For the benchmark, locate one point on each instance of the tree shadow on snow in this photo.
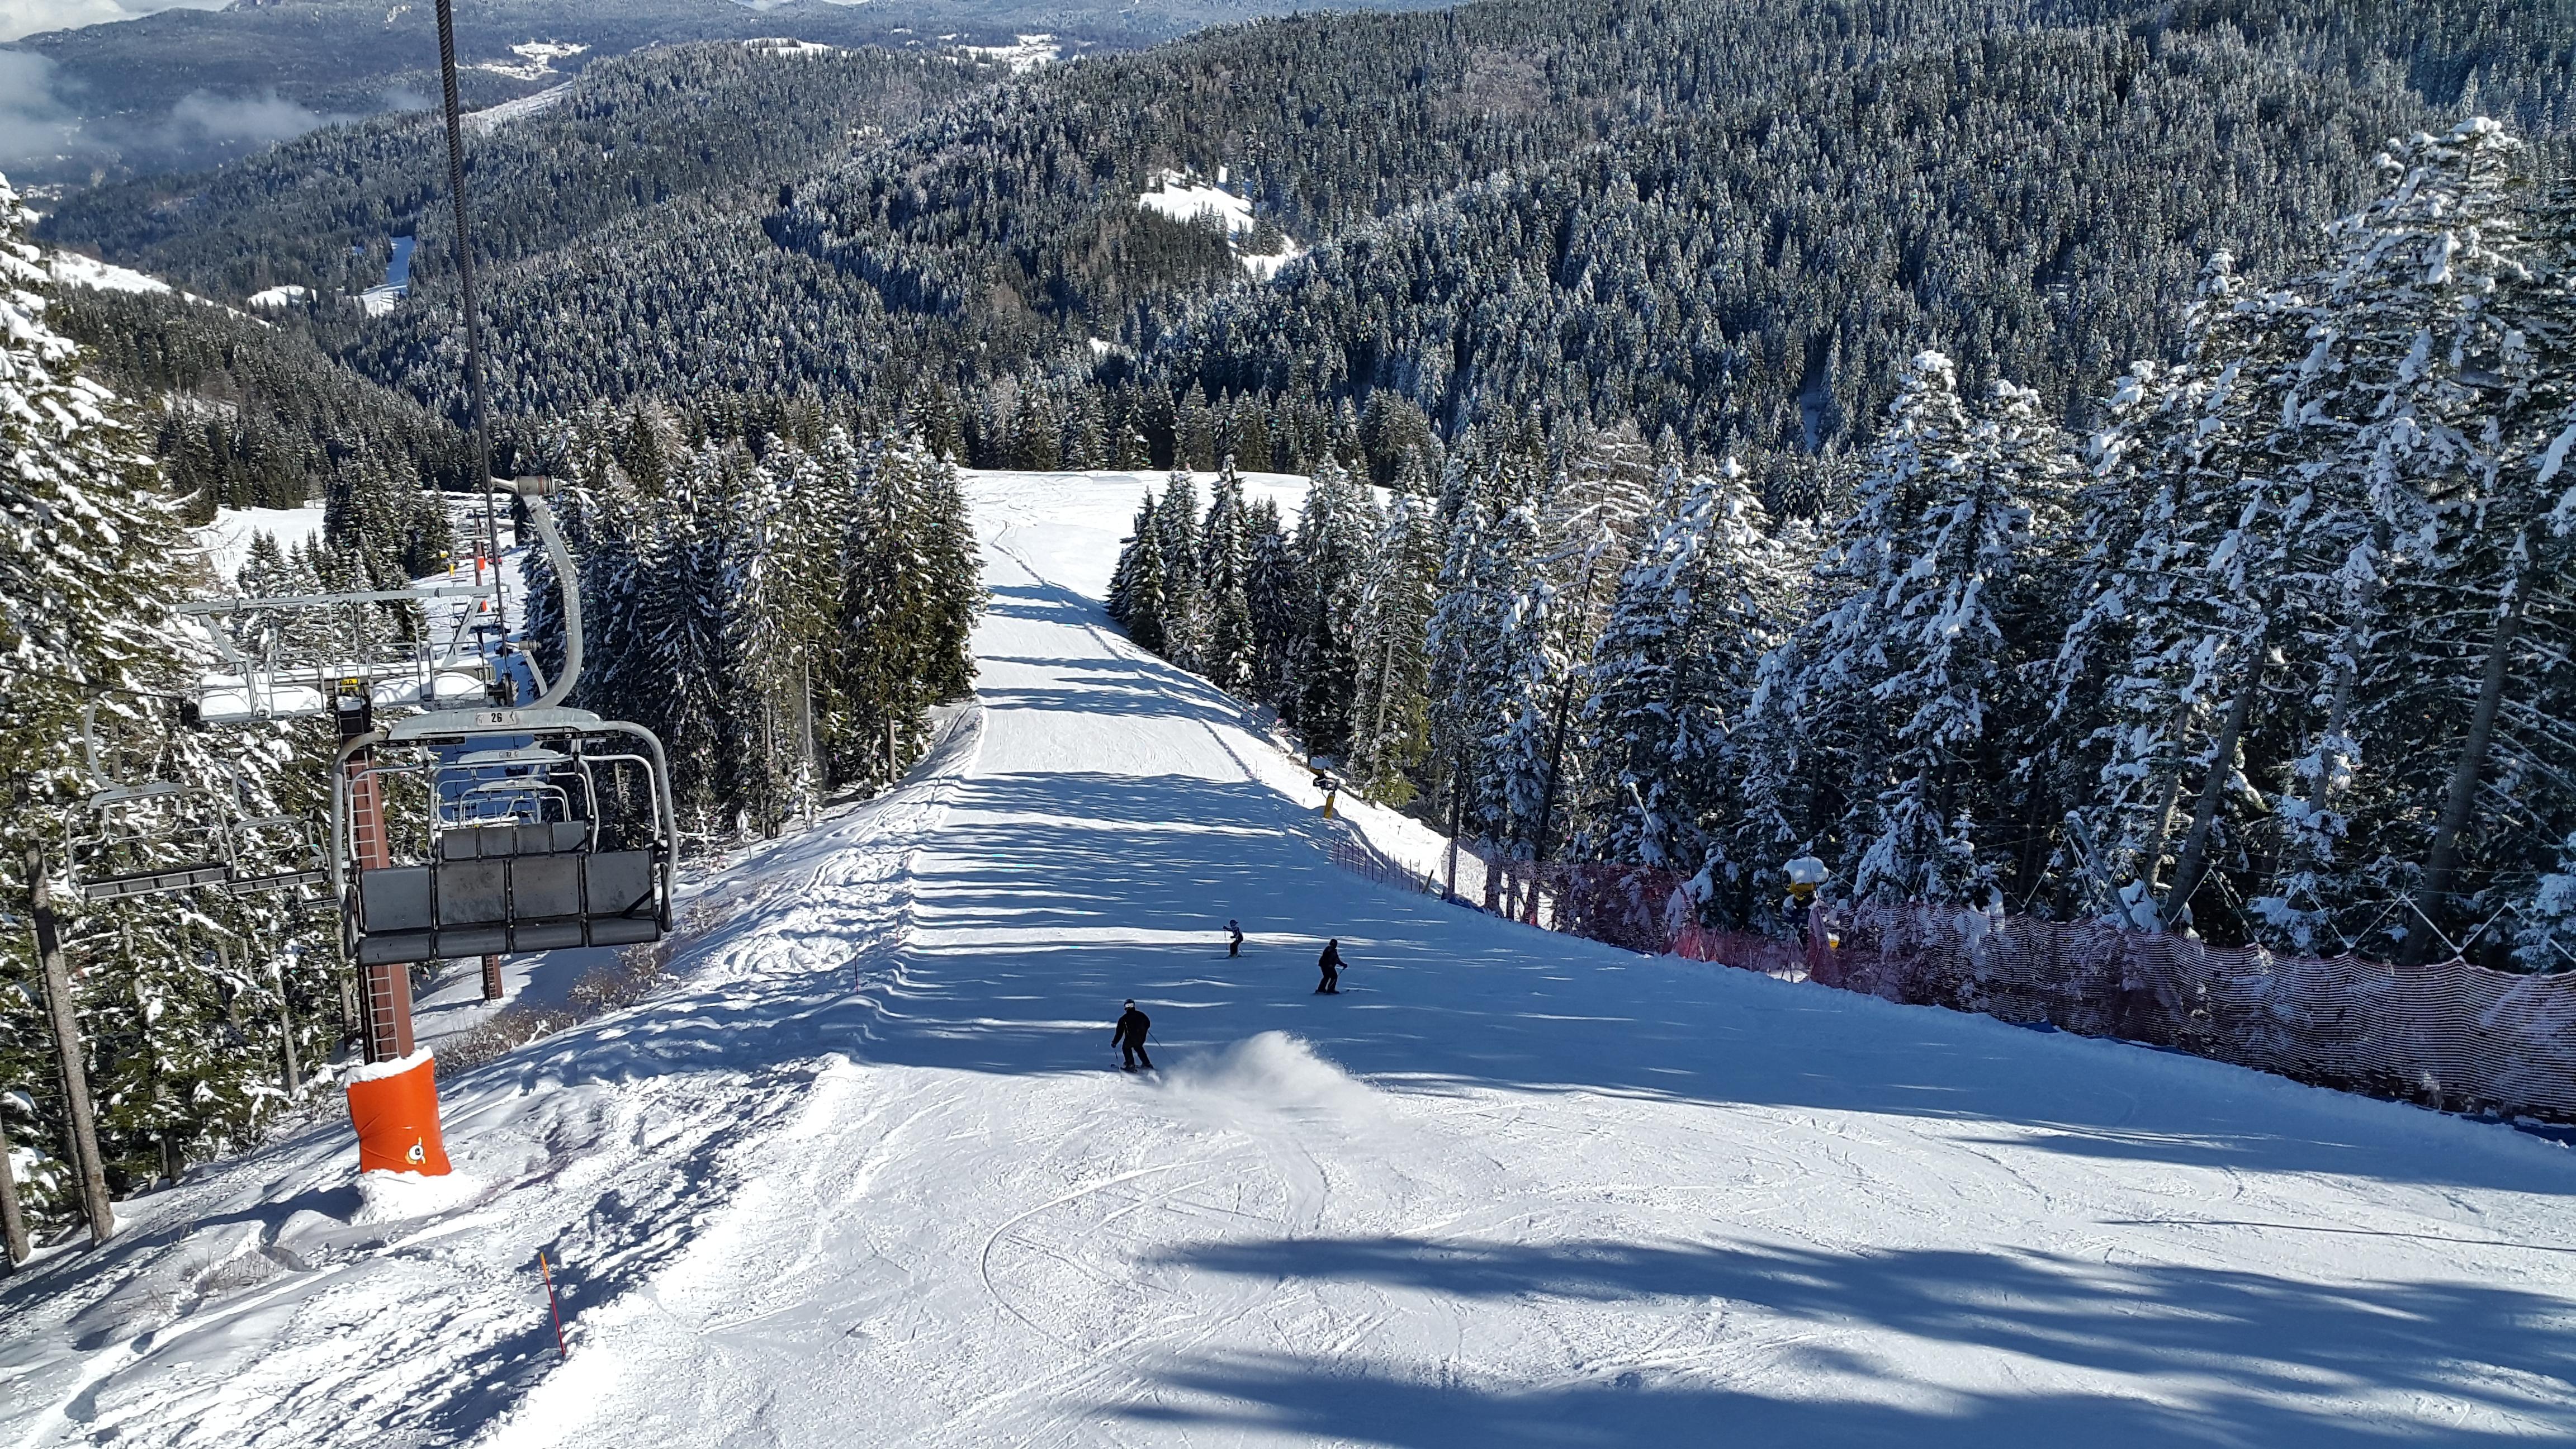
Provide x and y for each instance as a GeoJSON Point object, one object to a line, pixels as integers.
{"type": "Point", "coordinates": [1436, 993]}
{"type": "Point", "coordinates": [2245, 1358]}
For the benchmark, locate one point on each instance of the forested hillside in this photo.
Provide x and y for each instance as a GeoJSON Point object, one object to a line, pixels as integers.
{"type": "Point", "coordinates": [193, 87]}
{"type": "Point", "coordinates": [252, 416]}
{"type": "Point", "coordinates": [2276, 654]}
{"type": "Point", "coordinates": [2041, 196]}
{"type": "Point", "coordinates": [320, 211]}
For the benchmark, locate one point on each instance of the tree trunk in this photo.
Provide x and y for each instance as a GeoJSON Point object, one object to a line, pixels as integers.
{"type": "Point", "coordinates": [2461, 798]}
{"type": "Point", "coordinates": [65, 1018]}
{"type": "Point", "coordinates": [286, 1031]}
{"type": "Point", "coordinates": [1555, 765]}
{"type": "Point", "coordinates": [13, 1223]}
{"type": "Point", "coordinates": [1556, 745]}
{"type": "Point", "coordinates": [1457, 821]}
{"type": "Point", "coordinates": [2152, 863]}
{"type": "Point", "coordinates": [2347, 672]}
{"type": "Point", "coordinates": [2194, 863]}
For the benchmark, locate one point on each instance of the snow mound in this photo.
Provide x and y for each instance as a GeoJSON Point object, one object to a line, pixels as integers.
{"type": "Point", "coordinates": [390, 1197]}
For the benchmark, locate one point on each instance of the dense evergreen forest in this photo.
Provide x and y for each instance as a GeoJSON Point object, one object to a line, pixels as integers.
{"type": "Point", "coordinates": [321, 211]}
{"type": "Point", "coordinates": [2276, 654]}
{"type": "Point", "coordinates": [2052, 457]}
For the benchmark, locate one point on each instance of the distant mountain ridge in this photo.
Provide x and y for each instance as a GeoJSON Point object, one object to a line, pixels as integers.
{"type": "Point", "coordinates": [185, 89]}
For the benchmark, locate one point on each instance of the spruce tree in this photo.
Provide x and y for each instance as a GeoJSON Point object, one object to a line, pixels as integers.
{"type": "Point", "coordinates": [1224, 562]}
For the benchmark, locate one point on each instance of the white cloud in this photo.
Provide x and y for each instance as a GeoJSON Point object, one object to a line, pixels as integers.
{"type": "Point", "coordinates": [268, 117]}
{"type": "Point", "coordinates": [35, 126]}
{"type": "Point", "coordinates": [27, 17]}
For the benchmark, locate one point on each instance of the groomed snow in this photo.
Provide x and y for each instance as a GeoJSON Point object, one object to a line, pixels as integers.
{"type": "Point", "coordinates": [867, 1173]}
{"type": "Point", "coordinates": [492, 118]}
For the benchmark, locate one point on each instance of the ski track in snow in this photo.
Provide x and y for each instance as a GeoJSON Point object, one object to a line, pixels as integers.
{"type": "Point", "coordinates": [867, 1173]}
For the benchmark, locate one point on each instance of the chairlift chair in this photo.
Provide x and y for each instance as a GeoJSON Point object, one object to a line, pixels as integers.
{"type": "Point", "coordinates": [146, 839]}
{"type": "Point", "coordinates": [505, 838]}
{"type": "Point", "coordinates": [270, 674]}
{"type": "Point", "coordinates": [289, 839]}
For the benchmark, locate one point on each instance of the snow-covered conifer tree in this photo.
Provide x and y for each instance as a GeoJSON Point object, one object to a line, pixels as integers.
{"type": "Point", "coordinates": [1706, 597]}
{"type": "Point", "coordinates": [1390, 701]}
{"type": "Point", "coordinates": [1184, 601]}
{"type": "Point", "coordinates": [1226, 656]}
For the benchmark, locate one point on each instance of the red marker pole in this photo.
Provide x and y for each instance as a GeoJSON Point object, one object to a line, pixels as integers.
{"type": "Point", "coordinates": [553, 1304]}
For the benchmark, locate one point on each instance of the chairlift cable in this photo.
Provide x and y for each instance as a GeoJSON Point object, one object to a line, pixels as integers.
{"type": "Point", "coordinates": [466, 299]}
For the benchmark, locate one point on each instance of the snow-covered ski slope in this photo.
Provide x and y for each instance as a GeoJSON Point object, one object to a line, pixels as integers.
{"type": "Point", "coordinates": [868, 1175]}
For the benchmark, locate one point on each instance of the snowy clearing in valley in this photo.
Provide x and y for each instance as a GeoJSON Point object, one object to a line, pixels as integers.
{"type": "Point", "coordinates": [227, 540]}
{"type": "Point", "coordinates": [868, 1174]}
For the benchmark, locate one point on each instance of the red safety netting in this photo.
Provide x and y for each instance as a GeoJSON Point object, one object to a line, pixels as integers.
{"type": "Point", "coordinates": [2450, 1034]}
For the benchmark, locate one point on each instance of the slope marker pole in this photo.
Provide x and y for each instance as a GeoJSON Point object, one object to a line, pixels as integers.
{"type": "Point", "coordinates": [553, 1304]}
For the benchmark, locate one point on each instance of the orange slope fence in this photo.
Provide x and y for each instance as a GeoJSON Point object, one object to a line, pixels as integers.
{"type": "Point", "coordinates": [2451, 1034]}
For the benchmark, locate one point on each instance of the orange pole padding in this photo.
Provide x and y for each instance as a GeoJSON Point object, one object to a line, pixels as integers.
{"type": "Point", "coordinates": [394, 1106]}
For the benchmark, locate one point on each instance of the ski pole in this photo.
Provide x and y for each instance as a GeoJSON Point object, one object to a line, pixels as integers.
{"type": "Point", "coordinates": [554, 1304]}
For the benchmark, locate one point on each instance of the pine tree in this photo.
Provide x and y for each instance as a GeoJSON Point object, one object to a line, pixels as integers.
{"type": "Point", "coordinates": [2194, 541]}
{"type": "Point", "coordinates": [1122, 579]}
{"type": "Point", "coordinates": [1272, 587]}
{"type": "Point", "coordinates": [1893, 676]}
{"type": "Point", "coordinates": [1224, 562]}
{"type": "Point", "coordinates": [89, 561]}
{"type": "Point", "coordinates": [1333, 537]}
{"type": "Point", "coordinates": [1145, 608]}
{"type": "Point", "coordinates": [1706, 597]}
{"type": "Point", "coordinates": [1390, 703]}
{"type": "Point", "coordinates": [1183, 606]}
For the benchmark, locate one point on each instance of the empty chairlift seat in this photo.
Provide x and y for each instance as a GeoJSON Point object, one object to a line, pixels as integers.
{"type": "Point", "coordinates": [496, 889]}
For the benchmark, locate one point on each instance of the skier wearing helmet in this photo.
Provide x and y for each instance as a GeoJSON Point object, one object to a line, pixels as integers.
{"type": "Point", "coordinates": [1129, 1037]}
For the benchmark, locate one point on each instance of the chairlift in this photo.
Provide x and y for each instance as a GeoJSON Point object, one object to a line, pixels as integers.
{"type": "Point", "coordinates": [146, 839]}
{"type": "Point", "coordinates": [466, 832]}
{"type": "Point", "coordinates": [291, 657]}
{"type": "Point", "coordinates": [289, 839]}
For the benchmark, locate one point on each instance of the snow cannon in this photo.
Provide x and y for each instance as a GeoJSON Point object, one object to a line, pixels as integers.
{"type": "Point", "coordinates": [394, 1106]}
{"type": "Point", "coordinates": [1806, 874]}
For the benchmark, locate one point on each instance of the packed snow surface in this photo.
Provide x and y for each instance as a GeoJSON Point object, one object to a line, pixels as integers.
{"type": "Point", "coordinates": [867, 1173]}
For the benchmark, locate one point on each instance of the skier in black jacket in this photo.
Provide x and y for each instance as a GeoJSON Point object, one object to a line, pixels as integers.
{"type": "Point", "coordinates": [1129, 1037]}
{"type": "Point", "coordinates": [1331, 962]}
